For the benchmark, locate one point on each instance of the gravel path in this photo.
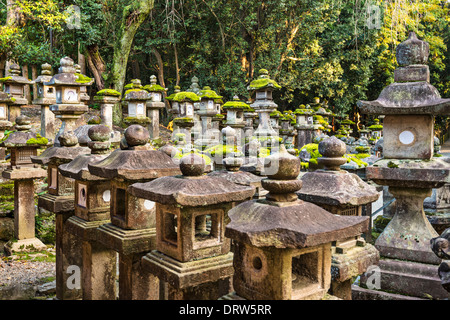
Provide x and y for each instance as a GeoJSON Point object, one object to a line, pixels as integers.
{"type": "Point", "coordinates": [16, 272]}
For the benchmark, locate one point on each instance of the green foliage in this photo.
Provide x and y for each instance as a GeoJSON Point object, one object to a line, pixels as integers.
{"type": "Point", "coordinates": [39, 140]}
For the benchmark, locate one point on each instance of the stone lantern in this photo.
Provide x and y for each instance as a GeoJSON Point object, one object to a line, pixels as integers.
{"type": "Point", "coordinates": [59, 200]}
{"type": "Point", "coordinates": [84, 97]}
{"type": "Point", "coordinates": [304, 125]}
{"type": "Point", "coordinates": [14, 84]}
{"type": "Point", "coordinates": [235, 117]}
{"type": "Point", "coordinates": [185, 120]}
{"type": "Point", "coordinates": [92, 209]}
{"type": "Point", "coordinates": [154, 106]}
{"type": "Point", "coordinates": [208, 109]}
{"type": "Point", "coordinates": [249, 116]}
{"type": "Point", "coordinates": [377, 130]}
{"type": "Point", "coordinates": [131, 232]}
{"type": "Point", "coordinates": [282, 244]}
{"type": "Point", "coordinates": [408, 265]}
{"type": "Point", "coordinates": [174, 105]}
{"type": "Point", "coordinates": [364, 133]}
{"type": "Point", "coordinates": [136, 99]}
{"type": "Point", "coordinates": [46, 96]}
{"type": "Point", "coordinates": [264, 105]}
{"type": "Point", "coordinates": [23, 144]}
{"type": "Point", "coordinates": [275, 117]}
{"type": "Point", "coordinates": [68, 106]}
{"type": "Point", "coordinates": [344, 194]}
{"type": "Point", "coordinates": [5, 124]}
{"type": "Point", "coordinates": [107, 98]}
{"type": "Point", "coordinates": [192, 253]}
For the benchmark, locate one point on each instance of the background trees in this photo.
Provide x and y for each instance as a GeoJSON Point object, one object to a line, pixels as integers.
{"type": "Point", "coordinates": [321, 48]}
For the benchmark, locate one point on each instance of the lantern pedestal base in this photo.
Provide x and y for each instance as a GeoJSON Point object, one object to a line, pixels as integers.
{"type": "Point", "coordinates": [204, 279]}
{"type": "Point", "coordinates": [400, 280]}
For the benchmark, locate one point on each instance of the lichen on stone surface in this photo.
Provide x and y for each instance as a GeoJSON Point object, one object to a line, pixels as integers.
{"type": "Point", "coordinates": [376, 127]}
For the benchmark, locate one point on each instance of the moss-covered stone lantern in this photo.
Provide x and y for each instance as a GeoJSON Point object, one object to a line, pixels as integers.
{"type": "Point", "coordinates": [132, 232]}
{"type": "Point", "coordinates": [154, 106]}
{"type": "Point", "coordinates": [23, 144]}
{"type": "Point", "coordinates": [5, 124]}
{"type": "Point", "coordinates": [92, 209]}
{"type": "Point", "coordinates": [68, 106]}
{"type": "Point", "coordinates": [235, 117]}
{"type": "Point", "coordinates": [208, 109]}
{"type": "Point", "coordinates": [14, 84]}
{"type": "Point", "coordinates": [282, 244]}
{"type": "Point", "coordinates": [345, 194]}
{"type": "Point", "coordinates": [84, 97]}
{"type": "Point", "coordinates": [264, 105]}
{"type": "Point", "coordinates": [136, 101]}
{"type": "Point", "coordinates": [408, 266]}
{"type": "Point", "coordinates": [185, 120]}
{"type": "Point", "coordinates": [46, 96]}
{"type": "Point", "coordinates": [304, 125]}
{"type": "Point", "coordinates": [192, 253]}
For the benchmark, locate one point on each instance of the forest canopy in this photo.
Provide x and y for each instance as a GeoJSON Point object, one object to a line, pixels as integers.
{"type": "Point", "coordinates": [338, 50]}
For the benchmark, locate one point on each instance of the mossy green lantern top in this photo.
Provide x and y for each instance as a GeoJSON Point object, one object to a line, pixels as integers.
{"type": "Point", "coordinates": [156, 93]}
{"type": "Point", "coordinates": [14, 84]}
{"type": "Point", "coordinates": [264, 104]}
{"type": "Point", "coordinates": [186, 102]}
{"type": "Point", "coordinates": [208, 99]}
{"type": "Point", "coordinates": [137, 99]}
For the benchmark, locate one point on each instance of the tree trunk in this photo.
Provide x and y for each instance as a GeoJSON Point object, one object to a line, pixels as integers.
{"type": "Point", "coordinates": [26, 89]}
{"type": "Point", "coordinates": [160, 67]}
{"type": "Point", "coordinates": [96, 65]}
{"type": "Point", "coordinates": [132, 18]}
{"type": "Point", "coordinates": [81, 60]}
{"type": "Point", "coordinates": [177, 69]}
{"type": "Point", "coordinates": [34, 75]}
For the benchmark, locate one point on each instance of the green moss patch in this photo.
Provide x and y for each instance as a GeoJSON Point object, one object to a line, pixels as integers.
{"type": "Point", "coordinates": [183, 96]}
{"type": "Point", "coordinates": [154, 88]}
{"type": "Point", "coordinates": [108, 92]}
{"type": "Point", "coordinates": [81, 78]}
{"type": "Point", "coordinates": [38, 140]}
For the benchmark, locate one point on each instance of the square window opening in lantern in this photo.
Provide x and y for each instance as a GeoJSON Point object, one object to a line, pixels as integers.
{"type": "Point", "coordinates": [305, 274]}
{"type": "Point", "coordinates": [120, 203]}
{"type": "Point", "coordinates": [206, 227]}
{"type": "Point", "coordinates": [170, 223]}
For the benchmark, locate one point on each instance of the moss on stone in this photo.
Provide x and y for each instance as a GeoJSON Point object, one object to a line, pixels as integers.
{"type": "Point", "coordinates": [5, 79]}
{"type": "Point", "coordinates": [263, 83]}
{"type": "Point", "coordinates": [209, 94]}
{"type": "Point", "coordinates": [392, 165]}
{"type": "Point", "coordinates": [136, 120]}
{"type": "Point", "coordinates": [132, 90]}
{"type": "Point", "coordinates": [362, 149]}
{"type": "Point", "coordinates": [183, 96]}
{"type": "Point", "coordinates": [376, 127]}
{"type": "Point", "coordinates": [81, 78]}
{"type": "Point", "coordinates": [39, 140]}
{"type": "Point", "coordinates": [362, 155]}
{"type": "Point", "coordinates": [154, 88]}
{"type": "Point", "coordinates": [355, 159]}
{"type": "Point", "coordinates": [220, 150]}
{"type": "Point", "coordinates": [108, 92]}
{"type": "Point", "coordinates": [186, 119]}
{"type": "Point", "coordinates": [235, 105]}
